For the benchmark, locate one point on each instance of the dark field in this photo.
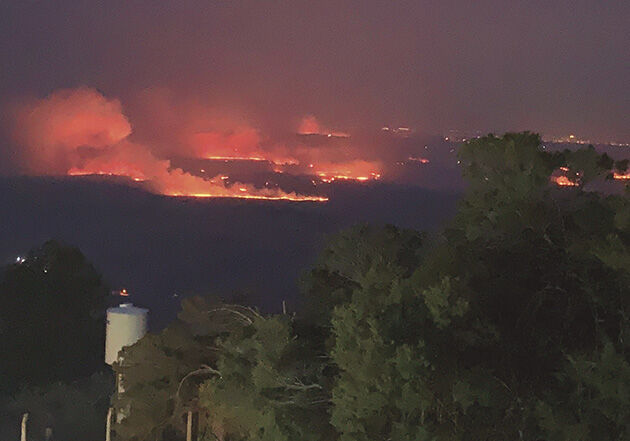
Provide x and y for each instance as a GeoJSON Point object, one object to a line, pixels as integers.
{"type": "Point", "coordinates": [162, 248]}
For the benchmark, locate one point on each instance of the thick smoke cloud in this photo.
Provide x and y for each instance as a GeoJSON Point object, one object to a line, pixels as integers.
{"type": "Point", "coordinates": [237, 143]}
{"type": "Point", "coordinates": [309, 126]}
{"type": "Point", "coordinates": [52, 132]}
{"type": "Point", "coordinates": [80, 132]}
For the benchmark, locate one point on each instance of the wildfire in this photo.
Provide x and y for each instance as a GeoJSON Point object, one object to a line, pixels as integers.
{"type": "Point", "coordinates": [242, 144]}
{"type": "Point", "coordinates": [563, 181]}
{"type": "Point", "coordinates": [275, 161]}
{"type": "Point", "coordinates": [236, 158]}
{"type": "Point", "coordinates": [358, 170]}
{"type": "Point", "coordinates": [417, 159]}
{"type": "Point", "coordinates": [80, 132]}
{"type": "Point", "coordinates": [158, 176]}
{"type": "Point", "coordinates": [309, 125]}
{"type": "Point", "coordinates": [293, 197]}
{"type": "Point", "coordinates": [79, 172]}
{"type": "Point", "coordinates": [326, 178]}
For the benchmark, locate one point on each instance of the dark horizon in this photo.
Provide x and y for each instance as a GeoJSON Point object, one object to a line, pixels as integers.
{"type": "Point", "coordinates": [156, 246]}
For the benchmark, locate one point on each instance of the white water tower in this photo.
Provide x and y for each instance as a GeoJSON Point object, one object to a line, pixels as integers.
{"type": "Point", "coordinates": [126, 324]}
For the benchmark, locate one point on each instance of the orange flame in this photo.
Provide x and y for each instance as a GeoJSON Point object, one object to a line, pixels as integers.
{"type": "Point", "coordinates": [91, 136]}
{"type": "Point", "coordinates": [237, 145]}
{"type": "Point", "coordinates": [293, 197]}
{"type": "Point", "coordinates": [81, 132]}
{"type": "Point", "coordinates": [358, 170]}
{"type": "Point", "coordinates": [417, 159]}
{"type": "Point", "coordinates": [563, 181]}
{"type": "Point", "coordinates": [177, 183]}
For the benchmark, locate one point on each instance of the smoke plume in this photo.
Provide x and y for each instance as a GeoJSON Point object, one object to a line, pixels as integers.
{"type": "Point", "coordinates": [81, 132]}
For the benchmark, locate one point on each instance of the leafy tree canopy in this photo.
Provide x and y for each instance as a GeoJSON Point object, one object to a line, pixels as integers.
{"type": "Point", "coordinates": [269, 385]}
{"type": "Point", "coordinates": [510, 324]}
{"type": "Point", "coordinates": [160, 373]}
{"type": "Point", "coordinates": [519, 307]}
{"type": "Point", "coordinates": [74, 411]}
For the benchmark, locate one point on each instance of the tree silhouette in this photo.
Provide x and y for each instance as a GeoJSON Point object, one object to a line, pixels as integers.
{"type": "Point", "coordinates": [51, 317]}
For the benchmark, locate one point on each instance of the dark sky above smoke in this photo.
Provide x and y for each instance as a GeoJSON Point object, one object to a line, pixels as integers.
{"type": "Point", "coordinates": [556, 67]}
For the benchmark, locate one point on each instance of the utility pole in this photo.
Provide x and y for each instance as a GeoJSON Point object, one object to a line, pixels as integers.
{"type": "Point", "coordinates": [108, 425]}
{"type": "Point", "coordinates": [189, 424]}
{"type": "Point", "coordinates": [24, 420]}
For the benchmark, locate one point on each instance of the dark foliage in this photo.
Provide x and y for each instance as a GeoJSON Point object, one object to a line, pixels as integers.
{"type": "Point", "coordinates": [511, 324]}
{"type": "Point", "coordinates": [74, 411]}
{"type": "Point", "coordinates": [51, 317]}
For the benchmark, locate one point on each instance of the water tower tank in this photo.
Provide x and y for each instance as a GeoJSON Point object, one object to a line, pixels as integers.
{"type": "Point", "coordinates": [126, 324]}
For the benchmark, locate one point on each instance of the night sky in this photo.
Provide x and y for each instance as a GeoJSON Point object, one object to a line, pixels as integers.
{"type": "Point", "coordinates": [556, 67]}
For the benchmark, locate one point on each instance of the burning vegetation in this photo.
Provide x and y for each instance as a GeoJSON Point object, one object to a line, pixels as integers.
{"type": "Point", "coordinates": [192, 152]}
{"type": "Point", "coordinates": [80, 132]}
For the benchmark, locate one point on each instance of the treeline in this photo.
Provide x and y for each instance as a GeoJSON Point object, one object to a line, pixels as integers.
{"type": "Point", "coordinates": [511, 323]}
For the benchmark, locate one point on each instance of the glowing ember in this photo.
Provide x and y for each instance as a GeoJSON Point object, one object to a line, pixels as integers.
{"type": "Point", "coordinates": [285, 197]}
{"type": "Point", "coordinates": [563, 181]}
{"type": "Point", "coordinates": [420, 160]}
{"type": "Point", "coordinates": [621, 177]}
{"type": "Point", "coordinates": [80, 172]}
{"type": "Point", "coordinates": [348, 171]}
{"type": "Point", "coordinates": [326, 178]}
{"type": "Point", "coordinates": [329, 179]}
{"type": "Point", "coordinates": [276, 161]}
{"type": "Point", "coordinates": [236, 158]}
